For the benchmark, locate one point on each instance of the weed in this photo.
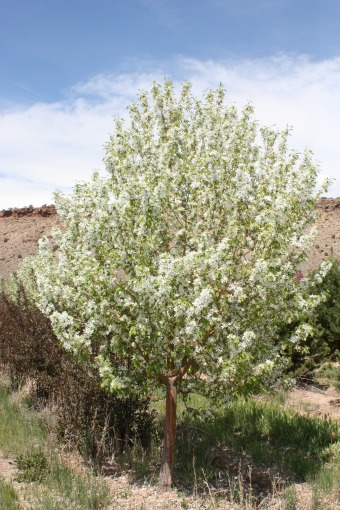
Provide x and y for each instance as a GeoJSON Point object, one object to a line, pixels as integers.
{"type": "Point", "coordinates": [33, 466]}
{"type": "Point", "coordinates": [289, 497]}
{"type": "Point", "coordinates": [184, 504]}
{"type": "Point", "coordinates": [316, 500]}
{"type": "Point", "coordinates": [83, 490]}
{"type": "Point", "coordinates": [327, 480]}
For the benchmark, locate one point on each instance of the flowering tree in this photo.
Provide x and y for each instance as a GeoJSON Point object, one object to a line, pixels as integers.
{"type": "Point", "coordinates": [181, 263]}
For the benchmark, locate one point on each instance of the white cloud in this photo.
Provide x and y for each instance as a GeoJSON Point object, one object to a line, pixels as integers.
{"type": "Point", "coordinates": [292, 91]}
{"type": "Point", "coordinates": [51, 145]}
{"type": "Point", "coordinates": [117, 88]}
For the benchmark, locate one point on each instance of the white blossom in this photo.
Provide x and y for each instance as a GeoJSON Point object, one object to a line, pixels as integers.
{"type": "Point", "coordinates": [185, 253]}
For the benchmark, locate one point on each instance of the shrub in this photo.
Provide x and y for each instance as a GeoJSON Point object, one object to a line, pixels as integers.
{"type": "Point", "coordinates": [327, 314]}
{"type": "Point", "coordinates": [87, 416]}
{"type": "Point", "coordinates": [324, 344]}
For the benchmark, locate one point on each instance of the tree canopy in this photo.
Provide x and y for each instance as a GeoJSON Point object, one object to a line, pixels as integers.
{"type": "Point", "coordinates": [182, 260]}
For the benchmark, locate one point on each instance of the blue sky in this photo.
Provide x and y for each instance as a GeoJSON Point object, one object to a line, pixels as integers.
{"type": "Point", "coordinates": [68, 67]}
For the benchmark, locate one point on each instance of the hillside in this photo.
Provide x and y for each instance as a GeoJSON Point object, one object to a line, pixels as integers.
{"type": "Point", "coordinates": [20, 230]}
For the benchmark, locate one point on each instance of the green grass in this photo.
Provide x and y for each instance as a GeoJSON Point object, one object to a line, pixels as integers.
{"type": "Point", "coordinates": [296, 444]}
{"type": "Point", "coordinates": [83, 490]}
{"type": "Point", "coordinates": [327, 480]}
{"type": "Point", "coordinates": [54, 486]}
{"type": "Point", "coordinates": [20, 428]}
{"type": "Point", "coordinates": [9, 499]}
{"type": "Point", "coordinates": [301, 448]}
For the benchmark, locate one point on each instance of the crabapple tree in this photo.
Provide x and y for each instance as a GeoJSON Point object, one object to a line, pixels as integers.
{"type": "Point", "coordinates": [180, 263]}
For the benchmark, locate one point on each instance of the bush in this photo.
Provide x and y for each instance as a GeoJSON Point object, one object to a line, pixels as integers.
{"type": "Point", "coordinates": [87, 416]}
{"type": "Point", "coordinates": [28, 347]}
{"type": "Point", "coordinates": [327, 314]}
{"type": "Point", "coordinates": [324, 344]}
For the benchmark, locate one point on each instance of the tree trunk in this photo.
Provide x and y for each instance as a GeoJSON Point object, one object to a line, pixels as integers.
{"type": "Point", "coordinates": [167, 467]}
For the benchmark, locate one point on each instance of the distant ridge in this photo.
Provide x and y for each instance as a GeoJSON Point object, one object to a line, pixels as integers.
{"type": "Point", "coordinates": [44, 210]}
{"type": "Point", "coordinates": [325, 203]}
{"type": "Point", "coordinates": [328, 203]}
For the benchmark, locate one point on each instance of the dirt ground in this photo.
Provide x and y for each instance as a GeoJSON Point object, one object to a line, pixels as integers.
{"type": "Point", "coordinates": [315, 402]}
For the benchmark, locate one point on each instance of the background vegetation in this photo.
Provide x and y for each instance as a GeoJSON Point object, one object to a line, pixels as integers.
{"type": "Point", "coordinates": [324, 344]}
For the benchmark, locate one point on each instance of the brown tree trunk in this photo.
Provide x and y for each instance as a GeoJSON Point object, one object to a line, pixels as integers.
{"type": "Point", "coordinates": [167, 467]}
